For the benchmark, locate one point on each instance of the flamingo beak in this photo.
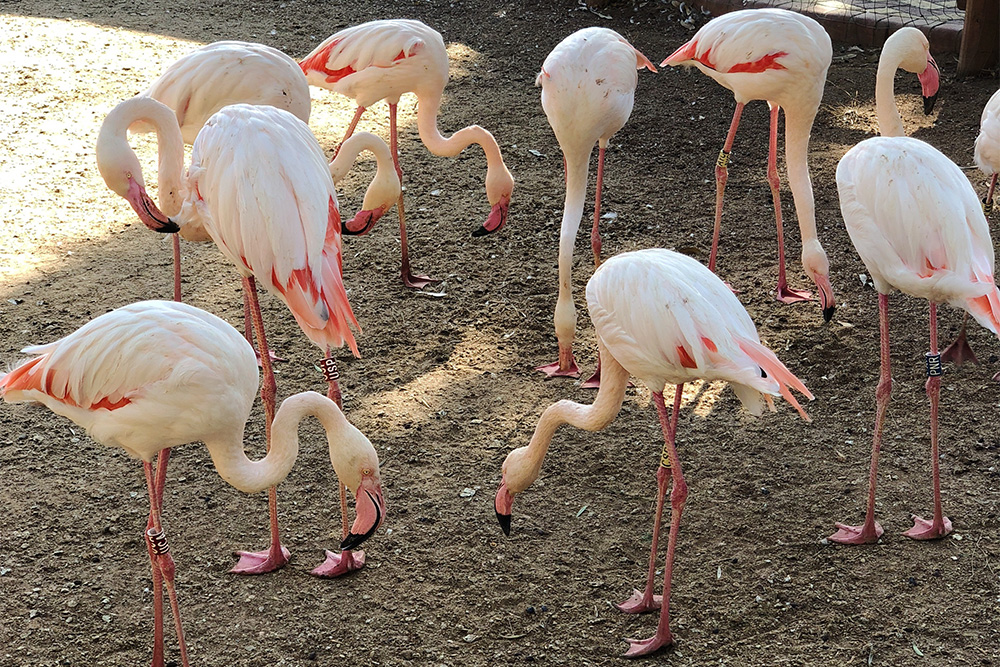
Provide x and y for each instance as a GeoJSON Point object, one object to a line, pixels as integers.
{"type": "Point", "coordinates": [147, 211]}
{"type": "Point", "coordinates": [826, 299]}
{"type": "Point", "coordinates": [929, 83]}
{"type": "Point", "coordinates": [502, 505]}
{"type": "Point", "coordinates": [497, 218]}
{"type": "Point", "coordinates": [363, 222]}
{"type": "Point", "coordinates": [369, 508]}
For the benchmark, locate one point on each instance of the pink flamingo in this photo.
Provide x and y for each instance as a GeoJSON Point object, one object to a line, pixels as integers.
{"type": "Point", "coordinates": [588, 88]}
{"type": "Point", "coordinates": [157, 374]}
{"type": "Point", "coordinates": [381, 60]}
{"type": "Point", "coordinates": [988, 145]}
{"type": "Point", "coordinates": [261, 187]}
{"type": "Point", "coordinates": [919, 227]}
{"type": "Point", "coordinates": [781, 57]}
{"type": "Point", "coordinates": [664, 318]}
{"type": "Point", "coordinates": [196, 86]}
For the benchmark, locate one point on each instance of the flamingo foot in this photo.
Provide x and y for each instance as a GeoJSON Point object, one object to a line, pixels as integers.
{"type": "Point", "coordinates": [260, 562]}
{"type": "Point", "coordinates": [639, 603]}
{"type": "Point", "coordinates": [554, 370]}
{"type": "Point", "coordinates": [864, 534]}
{"type": "Point", "coordinates": [959, 351]}
{"type": "Point", "coordinates": [786, 294]}
{"type": "Point", "coordinates": [927, 530]}
{"type": "Point", "coordinates": [417, 281]}
{"type": "Point", "coordinates": [337, 565]}
{"type": "Point", "coordinates": [639, 647]}
{"type": "Point", "coordinates": [270, 355]}
{"type": "Point", "coordinates": [595, 380]}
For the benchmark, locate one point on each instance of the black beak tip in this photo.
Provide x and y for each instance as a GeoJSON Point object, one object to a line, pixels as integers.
{"type": "Point", "coordinates": [169, 227]}
{"type": "Point", "coordinates": [929, 104]}
{"type": "Point", "coordinates": [352, 541]}
{"type": "Point", "coordinates": [481, 231]}
{"type": "Point", "coordinates": [828, 313]}
{"type": "Point", "coordinates": [504, 521]}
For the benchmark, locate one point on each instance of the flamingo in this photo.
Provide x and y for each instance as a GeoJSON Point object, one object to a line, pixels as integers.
{"type": "Point", "coordinates": [988, 145]}
{"type": "Point", "coordinates": [588, 87]}
{"type": "Point", "coordinates": [260, 186]}
{"type": "Point", "coordinates": [919, 227]}
{"type": "Point", "coordinates": [663, 318]}
{"type": "Point", "coordinates": [203, 81]}
{"type": "Point", "coordinates": [157, 374]}
{"type": "Point", "coordinates": [781, 57]}
{"type": "Point", "coordinates": [381, 60]}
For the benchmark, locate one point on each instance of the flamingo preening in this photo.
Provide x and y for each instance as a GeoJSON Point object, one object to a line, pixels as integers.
{"type": "Point", "coordinates": [157, 374]}
{"type": "Point", "coordinates": [919, 227]}
{"type": "Point", "coordinates": [782, 57]}
{"type": "Point", "coordinates": [663, 318]}
{"type": "Point", "coordinates": [588, 87]}
{"type": "Point", "coordinates": [382, 60]}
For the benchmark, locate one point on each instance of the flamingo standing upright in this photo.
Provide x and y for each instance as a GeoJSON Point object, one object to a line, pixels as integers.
{"type": "Point", "coordinates": [382, 60]}
{"type": "Point", "coordinates": [919, 227]}
{"type": "Point", "coordinates": [588, 87]}
{"type": "Point", "coordinates": [197, 85]}
{"type": "Point", "coordinates": [988, 146]}
{"type": "Point", "coordinates": [157, 374]}
{"type": "Point", "coordinates": [781, 57]}
{"type": "Point", "coordinates": [664, 318]}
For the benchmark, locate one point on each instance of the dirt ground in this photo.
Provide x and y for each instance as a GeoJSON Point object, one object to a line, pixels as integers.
{"type": "Point", "coordinates": [445, 386]}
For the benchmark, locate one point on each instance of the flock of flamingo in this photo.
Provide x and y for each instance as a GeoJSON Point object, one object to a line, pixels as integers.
{"type": "Point", "coordinates": [259, 186]}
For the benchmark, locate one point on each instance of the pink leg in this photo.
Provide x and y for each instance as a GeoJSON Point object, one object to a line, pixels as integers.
{"type": "Point", "coordinates": [248, 331]}
{"type": "Point", "coordinates": [870, 531]}
{"type": "Point", "coordinates": [783, 293]}
{"type": "Point", "coordinates": [163, 562]}
{"type": "Point", "coordinates": [646, 601]}
{"type": "Point", "coordinates": [350, 128]}
{"type": "Point", "coordinates": [940, 525]}
{"type": "Point", "coordinates": [346, 561]}
{"type": "Point", "coordinates": [988, 202]}
{"type": "Point", "coordinates": [721, 176]}
{"type": "Point", "coordinates": [409, 279]}
{"type": "Point", "coordinates": [564, 367]}
{"type": "Point", "coordinates": [161, 474]}
{"type": "Point", "coordinates": [595, 233]}
{"type": "Point", "coordinates": [678, 495]}
{"type": "Point", "coordinates": [959, 351]}
{"type": "Point", "coordinates": [275, 556]}
{"type": "Point", "coordinates": [177, 266]}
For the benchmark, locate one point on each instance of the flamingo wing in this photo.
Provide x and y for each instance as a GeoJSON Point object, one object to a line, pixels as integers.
{"type": "Point", "coordinates": [917, 224]}
{"type": "Point", "coordinates": [988, 142]}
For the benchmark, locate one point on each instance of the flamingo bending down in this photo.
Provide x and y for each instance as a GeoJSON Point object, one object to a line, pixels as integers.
{"type": "Point", "coordinates": [781, 57]}
{"type": "Point", "coordinates": [988, 146]}
{"type": "Point", "coordinates": [157, 374]}
{"type": "Point", "coordinates": [588, 88]}
{"type": "Point", "coordinates": [381, 60]}
{"type": "Point", "coordinates": [918, 226]}
{"type": "Point", "coordinates": [664, 318]}
{"type": "Point", "coordinates": [200, 83]}
{"type": "Point", "coordinates": [261, 187]}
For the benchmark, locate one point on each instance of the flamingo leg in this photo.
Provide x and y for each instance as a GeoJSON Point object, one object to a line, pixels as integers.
{"type": "Point", "coordinates": [262, 562]}
{"type": "Point", "coordinates": [595, 233]}
{"type": "Point", "coordinates": [409, 278]}
{"type": "Point", "coordinates": [870, 530]}
{"type": "Point", "coordinates": [959, 351]}
{"type": "Point", "coordinates": [177, 266]}
{"type": "Point", "coordinates": [678, 495]}
{"type": "Point", "coordinates": [644, 601]}
{"type": "Point", "coordinates": [248, 331]}
{"type": "Point", "coordinates": [783, 292]}
{"type": "Point", "coordinates": [161, 474]}
{"type": "Point", "coordinates": [721, 176]}
{"type": "Point", "coordinates": [940, 525]}
{"type": "Point", "coordinates": [163, 562]}
{"type": "Point", "coordinates": [988, 202]}
{"type": "Point", "coordinates": [350, 128]}
{"type": "Point", "coordinates": [346, 561]}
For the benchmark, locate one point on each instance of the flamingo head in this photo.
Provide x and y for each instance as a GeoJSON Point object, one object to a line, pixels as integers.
{"type": "Point", "coordinates": [816, 264]}
{"type": "Point", "coordinates": [363, 221]}
{"type": "Point", "coordinates": [499, 186]}
{"type": "Point", "coordinates": [123, 175]}
{"type": "Point", "coordinates": [518, 474]}
{"type": "Point", "coordinates": [929, 82]}
{"type": "Point", "coordinates": [369, 508]}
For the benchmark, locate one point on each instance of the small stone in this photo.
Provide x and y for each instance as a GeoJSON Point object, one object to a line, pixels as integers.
{"type": "Point", "coordinates": [529, 610]}
{"type": "Point", "coordinates": [467, 492]}
{"type": "Point", "coordinates": [468, 639]}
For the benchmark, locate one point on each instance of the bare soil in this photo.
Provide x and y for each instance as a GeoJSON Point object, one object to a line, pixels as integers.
{"type": "Point", "coordinates": [445, 387]}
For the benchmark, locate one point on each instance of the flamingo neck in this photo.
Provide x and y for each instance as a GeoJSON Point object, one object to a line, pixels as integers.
{"type": "Point", "coordinates": [890, 123]}
{"type": "Point", "coordinates": [427, 111]}
{"type": "Point", "coordinates": [248, 476]}
{"type": "Point", "coordinates": [594, 417]}
{"type": "Point", "coordinates": [798, 126]}
{"type": "Point", "coordinates": [169, 145]}
{"type": "Point", "coordinates": [381, 189]}
{"type": "Point", "coordinates": [577, 167]}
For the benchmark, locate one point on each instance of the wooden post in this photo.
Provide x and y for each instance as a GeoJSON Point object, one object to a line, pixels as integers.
{"type": "Point", "coordinates": [980, 37]}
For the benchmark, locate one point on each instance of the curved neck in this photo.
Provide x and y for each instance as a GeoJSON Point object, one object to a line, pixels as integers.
{"type": "Point", "coordinates": [797, 129]}
{"type": "Point", "coordinates": [357, 143]}
{"type": "Point", "coordinates": [890, 123]}
{"type": "Point", "coordinates": [427, 111]}
{"type": "Point", "coordinates": [231, 460]}
{"type": "Point", "coordinates": [614, 380]}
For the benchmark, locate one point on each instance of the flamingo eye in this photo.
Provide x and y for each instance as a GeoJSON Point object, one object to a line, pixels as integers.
{"type": "Point", "coordinates": [366, 471]}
